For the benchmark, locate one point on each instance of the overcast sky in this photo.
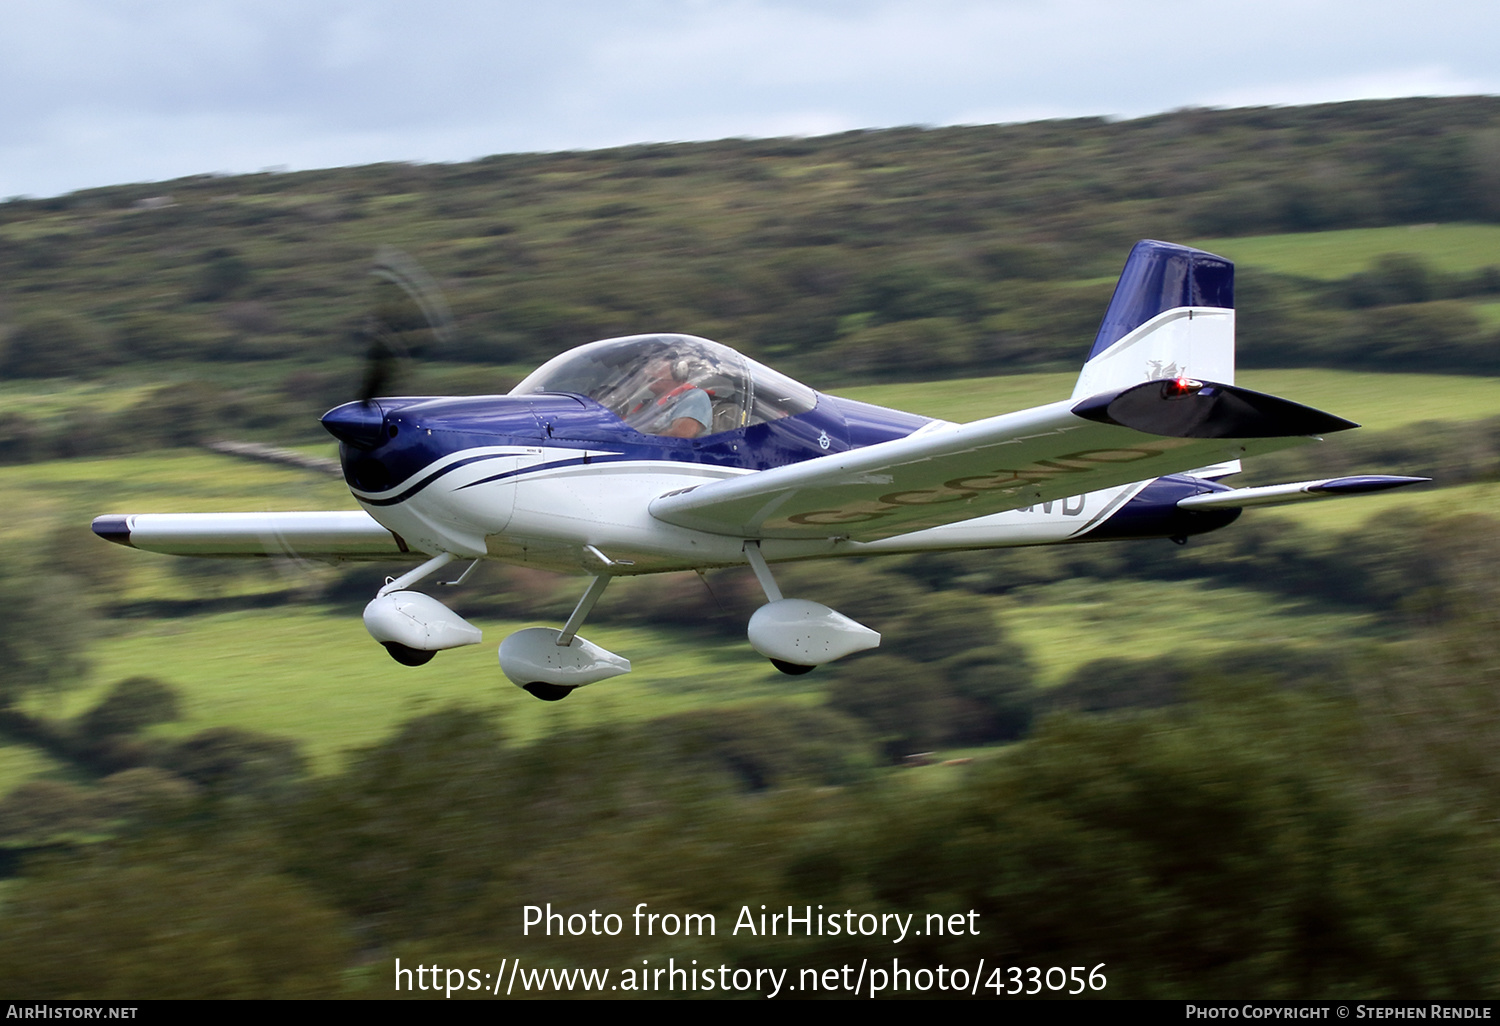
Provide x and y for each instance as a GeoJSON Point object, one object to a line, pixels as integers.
{"type": "Point", "coordinates": [98, 92]}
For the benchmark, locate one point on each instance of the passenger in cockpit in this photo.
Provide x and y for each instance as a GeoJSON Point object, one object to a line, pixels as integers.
{"type": "Point", "coordinates": [680, 409]}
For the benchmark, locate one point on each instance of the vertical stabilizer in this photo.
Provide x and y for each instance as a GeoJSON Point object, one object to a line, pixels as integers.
{"type": "Point", "coordinates": [1172, 316]}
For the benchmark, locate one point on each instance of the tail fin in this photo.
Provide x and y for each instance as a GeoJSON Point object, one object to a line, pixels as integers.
{"type": "Point", "coordinates": [1172, 316]}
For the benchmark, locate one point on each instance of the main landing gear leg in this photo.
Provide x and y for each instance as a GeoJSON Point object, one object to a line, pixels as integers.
{"type": "Point", "coordinates": [798, 635]}
{"type": "Point", "coordinates": [432, 566]}
{"type": "Point", "coordinates": [582, 610]}
{"type": "Point", "coordinates": [549, 664]}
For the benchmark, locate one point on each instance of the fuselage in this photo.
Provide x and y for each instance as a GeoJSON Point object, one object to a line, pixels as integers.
{"type": "Point", "coordinates": [560, 481]}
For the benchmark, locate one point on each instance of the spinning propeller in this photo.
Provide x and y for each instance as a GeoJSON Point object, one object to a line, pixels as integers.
{"type": "Point", "coordinates": [408, 317]}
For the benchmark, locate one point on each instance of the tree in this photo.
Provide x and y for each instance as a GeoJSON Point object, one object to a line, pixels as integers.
{"type": "Point", "coordinates": [160, 922]}
{"type": "Point", "coordinates": [132, 704]}
{"type": "Point", "coordinates": [54, 345]}
{"type": "Point", "coordinates": [1229, 846]}
{"type": "Point", "coordinates": [231, 760]}
{"type": "Point", "coordinates": [48, 624]}
{"type": "Point", "coordinates": [222, 274]}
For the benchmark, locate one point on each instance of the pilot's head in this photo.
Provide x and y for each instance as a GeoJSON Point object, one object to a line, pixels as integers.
{"type": "Point", "coordinates": [661, 375]}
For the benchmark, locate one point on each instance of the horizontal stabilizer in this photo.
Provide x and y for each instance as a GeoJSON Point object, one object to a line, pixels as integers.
{"type": "Point", "coordinates": [1216, 471]}
{"type": "Point", "coordinates": [341, 535]}
{"type": "Point", "coordinates": [1183, 408]}
{"type": "Point", "coordinates": [1300, 491]}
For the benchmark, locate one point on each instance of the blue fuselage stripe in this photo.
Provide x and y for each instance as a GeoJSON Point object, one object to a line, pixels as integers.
{"type": "Point", "coordinates": [420, 485]}
{"type": "Point", "coordinates": [553, 465]}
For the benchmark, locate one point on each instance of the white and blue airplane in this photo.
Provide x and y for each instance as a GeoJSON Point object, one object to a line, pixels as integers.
{"type": "Point", "coordinates": [658, 453]}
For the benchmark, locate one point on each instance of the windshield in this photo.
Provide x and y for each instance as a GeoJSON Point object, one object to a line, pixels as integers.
{"type": "Point", "coordinates": [676, 385]}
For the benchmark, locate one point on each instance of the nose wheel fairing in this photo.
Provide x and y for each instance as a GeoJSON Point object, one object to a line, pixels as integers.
{"type": "Point", "coordinates": [549, 663]}
{"type": "Point", "coordinates": [534, 656]}
{"type": "Point", "coordinates": [418, 623]}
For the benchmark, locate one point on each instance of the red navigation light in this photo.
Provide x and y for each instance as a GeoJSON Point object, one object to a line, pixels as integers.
{"type": "Point", "coordinates": [1176, 388]}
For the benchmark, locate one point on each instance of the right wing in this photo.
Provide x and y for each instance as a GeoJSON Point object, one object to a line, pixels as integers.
{"type": "Point", "coordinates": [990, 466]}
{"type": "Point", "coordinates": [335, 536]}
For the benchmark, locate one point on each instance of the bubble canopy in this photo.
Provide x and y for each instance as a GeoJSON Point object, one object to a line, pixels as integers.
{"type": "Point", "coordinates": [644, 379]}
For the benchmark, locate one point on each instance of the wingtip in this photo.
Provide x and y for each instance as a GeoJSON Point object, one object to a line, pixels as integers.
{"type": "Point", "coordinates": [113, 527]}
{"type": "Point", "coordinates": [1360, 484]}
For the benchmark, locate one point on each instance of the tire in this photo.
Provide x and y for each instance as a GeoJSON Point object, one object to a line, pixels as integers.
{"type": "Point", "coordinates": [792, 669]}
{"type": "Point", "coordinates": [548, 692]}
{"type": "Point", "coordinates": [408, 656]}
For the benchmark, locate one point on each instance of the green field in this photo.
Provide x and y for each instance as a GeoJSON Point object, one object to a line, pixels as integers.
{"type": "Point", "coordinates": [967, 399]}
{"type": "Point", "coordinates": [23, 762]}
{"type": "Point", "coordinates": [47, 398]}
{"type": "Point", "coordinates": [309, 673]}
{"type": "Point", "coordinates": [187, 480]}
{"type": "Point", "coordinates": [1376, 401]}
{"type": "Point", "coordinates": [313, 674]}
{"type": "Point", "coordinates": [1488, 313]}
{"type": "Point", "coordinates": [1067, 624]}
{"type": "Point", "coordinates": [1338, 254]}
{"type": "Point", "coordinates": [59, 499]}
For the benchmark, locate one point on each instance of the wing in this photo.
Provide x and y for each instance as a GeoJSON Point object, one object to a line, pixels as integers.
{"type": "Point", "coordinates": [344, 535]}
{"type": "Point", "coordinates": [1003, 463]}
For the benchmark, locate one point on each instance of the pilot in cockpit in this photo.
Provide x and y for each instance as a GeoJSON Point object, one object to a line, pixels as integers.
{"type": "Point", "coordinates": [676, 408]}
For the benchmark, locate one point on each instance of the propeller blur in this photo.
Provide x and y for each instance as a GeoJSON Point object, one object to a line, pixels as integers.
{"type": "Point", "coordinates": [657, 453]}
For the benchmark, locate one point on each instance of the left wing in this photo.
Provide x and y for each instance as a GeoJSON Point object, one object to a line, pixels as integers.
{"type": "Point", "coordinates": [1003, 463]}
{"type": "Point", "coordinates": [343, 535]}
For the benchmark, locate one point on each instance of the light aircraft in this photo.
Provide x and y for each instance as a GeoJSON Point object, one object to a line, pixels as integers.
{"type": "Point", "coordinates": [657, 453]}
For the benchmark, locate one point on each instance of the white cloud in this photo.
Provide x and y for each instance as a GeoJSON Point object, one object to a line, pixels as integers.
{"type": "Point", "coordinates": [102, 91]}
